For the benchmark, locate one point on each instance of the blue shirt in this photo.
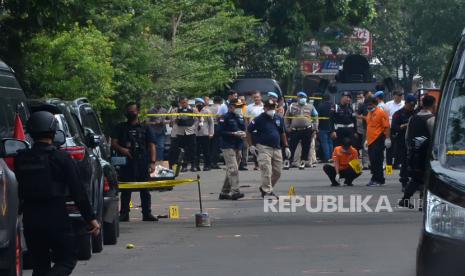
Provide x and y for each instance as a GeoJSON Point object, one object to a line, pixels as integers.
{"type": "Point", "coordinates": [268, 130]}
{"type": "Point", "coordinates": [231, 122]}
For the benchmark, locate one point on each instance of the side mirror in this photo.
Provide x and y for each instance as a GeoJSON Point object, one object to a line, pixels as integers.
{"type": "Point", "coordinates": [11, 147]}
{"type": "Point", "coordinates": [60, 138]}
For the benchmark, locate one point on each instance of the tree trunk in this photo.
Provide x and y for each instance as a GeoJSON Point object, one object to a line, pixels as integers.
{"type": "Point", "coordinates": [175, 21]}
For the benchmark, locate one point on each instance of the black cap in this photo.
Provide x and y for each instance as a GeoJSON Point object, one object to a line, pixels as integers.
{"type": "Point", "coordinates": [236, 102]}
{"type": "Point", "coordinates": [42, 122]}
{"type": "Point", "coordinates": [347, 93]}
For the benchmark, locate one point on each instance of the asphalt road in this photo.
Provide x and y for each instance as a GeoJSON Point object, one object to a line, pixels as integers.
{"type": "Point", "coordinates": [244, 240]}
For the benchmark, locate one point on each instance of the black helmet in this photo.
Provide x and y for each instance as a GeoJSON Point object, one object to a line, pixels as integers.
{"type": "Point", "coordinates": [42, 122]}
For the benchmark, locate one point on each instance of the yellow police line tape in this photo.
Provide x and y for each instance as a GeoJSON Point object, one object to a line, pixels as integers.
{"type": "Point", "coordinates": [455, 152]}
{"type": "Point", "coordinates": [215, 115]}
{"type": "Point", "coordinates": [156, 184]}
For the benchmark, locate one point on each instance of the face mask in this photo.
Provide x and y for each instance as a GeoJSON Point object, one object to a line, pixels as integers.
{"type": "Point", "coordinates": [271, 113]}
{"type": "Point", "coordinates": [131, 116]}
{"type": "Point", "coordinates": [238, 112]}
{"type": "Point", "coordinates": [303, 101]}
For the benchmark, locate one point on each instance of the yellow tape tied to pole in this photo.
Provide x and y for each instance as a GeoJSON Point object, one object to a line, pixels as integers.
{"type": "Point", "coordinates": [156, 184]}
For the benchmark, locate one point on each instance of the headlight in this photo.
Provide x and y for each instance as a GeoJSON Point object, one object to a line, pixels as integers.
{"type": "Point", "coordinates": [444, 218]}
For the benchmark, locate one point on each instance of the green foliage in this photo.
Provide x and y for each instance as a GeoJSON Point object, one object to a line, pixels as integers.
{"type": "Point", "coordinates": [71, 64]}
{"type": "Point", "coordinates": [416, 34]}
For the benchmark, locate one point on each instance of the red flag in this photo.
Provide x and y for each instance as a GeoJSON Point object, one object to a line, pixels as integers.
{"type": "Point", "coordinates": [17, 134]}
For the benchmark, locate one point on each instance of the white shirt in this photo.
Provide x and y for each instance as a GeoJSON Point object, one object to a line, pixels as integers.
{"type": "Point", "coordinates": [223, 109]}
{"type": "Point", "coordinates": [253, 110]}
{"type": "Point", "coordinates": [392, 107]}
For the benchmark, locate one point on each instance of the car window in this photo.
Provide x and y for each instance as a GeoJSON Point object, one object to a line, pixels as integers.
{"type": "Point", "coordinates": [63, 125]}
{"type": "Point", "coordinates": [453, 131]}
{"type": "Point", "coordinates": [89, 119]}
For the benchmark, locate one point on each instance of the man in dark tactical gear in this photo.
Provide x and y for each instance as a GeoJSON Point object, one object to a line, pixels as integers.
{"type": "Point", "coordinates": [135, 141]}
{"type": "Point", "coordinates": [47, 177]}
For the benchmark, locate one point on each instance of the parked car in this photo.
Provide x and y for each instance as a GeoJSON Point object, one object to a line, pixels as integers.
{"type": "Point", "coordinates": [89, 120]}
{"type": "Point", "coordinates": [12, 100]}
{"type": "Point", "coordinates": [81, 148]}
{"type": "Point", "coordinates": [245, 84]}
{"type": "Point", "coordinates": [442, 241]}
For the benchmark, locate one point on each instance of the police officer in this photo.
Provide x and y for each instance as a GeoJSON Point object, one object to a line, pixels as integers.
{"type": "Point", "coordinates": [344, 120]}
{"type": "Point", "coordinates": [135, 141]}
{"type": "Point", "coordinates": [47, 177]}
{"type": "Point", "coordinates": [418, 139]}
{"type": "Point", "coordinates": [232, 133]}
{"type": "Point", "coordinates": [186, 129]}
{"type": "Point", "coordinates": [270, 137]}
{"type": "Point", "coordinates": [398, 129]}
{"type": "Point", "coordinates": [299, 122]}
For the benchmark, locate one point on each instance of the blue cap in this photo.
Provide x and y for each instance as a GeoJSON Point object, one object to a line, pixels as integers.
{"type": "Point", "coordinates": [272, 94]}
{"type": "Point", "coordinates": [411, 99]}
{"type": "Point", "coordinates": [199, 100]}
{"type": "Point", "coordinates": [302, 94]}
{"type": "Point", "coordinates": [379, 94]}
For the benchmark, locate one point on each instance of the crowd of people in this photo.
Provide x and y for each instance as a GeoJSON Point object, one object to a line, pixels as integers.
{"type": "Point", "coordinates": [359, 132]}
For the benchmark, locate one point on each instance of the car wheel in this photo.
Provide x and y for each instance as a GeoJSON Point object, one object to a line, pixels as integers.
{"type": "Point", "coordinates": [110, 232]}
{"type": "Point", "coordinates": [84, 247]}
{"type": "Point", "coordinates": [97, 242]}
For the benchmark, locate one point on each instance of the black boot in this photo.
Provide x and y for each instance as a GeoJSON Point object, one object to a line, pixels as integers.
{"type": "Point", "coordinates": [149, 217]}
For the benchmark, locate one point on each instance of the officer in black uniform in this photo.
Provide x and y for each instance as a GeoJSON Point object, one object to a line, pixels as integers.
{"type": "Point", "coordinates": [47, 177]}
{"type": "Point", "coordinates": [399, 124]}
{"type": "Point", "coordinates": [135, 141]}
{"type": "Point", "coordinates": [343, 120]}
{"type": "Point", "coordinates": [418, 139]}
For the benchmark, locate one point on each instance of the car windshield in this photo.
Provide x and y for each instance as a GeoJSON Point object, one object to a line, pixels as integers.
{"type": "Point", "coordinates": [453, 131]}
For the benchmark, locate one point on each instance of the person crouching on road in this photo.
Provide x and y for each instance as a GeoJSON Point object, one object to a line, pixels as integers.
{"type": "Point", "coordinates": [232, 133]}
{"type": "Point", "coordinates": [270, 137]}
{"type": "Point", "coordinates": [342, 156]}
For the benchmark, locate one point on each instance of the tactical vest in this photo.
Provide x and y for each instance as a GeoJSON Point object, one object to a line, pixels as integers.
{"type": "Point", "coordinates": [186, 121]}
{"type": "Point", "coordinates": [135, 139]}
{"type": "Point", "coordinates": [35, 175]}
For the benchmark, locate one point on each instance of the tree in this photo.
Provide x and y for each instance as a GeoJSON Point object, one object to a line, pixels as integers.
{"type": "Point", "coordinates": [416, 36]}
{"type": "Point", "coordinates": [71, 64]}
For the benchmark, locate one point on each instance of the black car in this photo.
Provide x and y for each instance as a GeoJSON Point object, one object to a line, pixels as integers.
{"type": "Point", "coordinates": [90, 121]}
{"type": "Point", "coordinates": [81, 148]}
{"type": "Point", "coordinates": [245, 84]}
{"type": "Point", "coordinates": [12, 101]}
{"type": "Point", "coordinates": [442, 242]}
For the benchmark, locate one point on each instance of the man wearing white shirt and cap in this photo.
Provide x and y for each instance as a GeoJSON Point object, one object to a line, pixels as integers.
{"type": "Point", "coordinates": [392, 107]}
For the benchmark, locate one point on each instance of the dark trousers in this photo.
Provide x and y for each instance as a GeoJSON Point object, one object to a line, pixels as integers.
{"type": "Point", "coordinates": [376, 155]}
{"type": "Point", "coordinates": [305, 138]}
{"type": "Point", "coordinates": [416, 183]}
{"type": "Point", "coordinates": [203, 147]}
{"type": "Point", "coordinates": [401, 158]}
{"type": "Point", "coordinates": [215, 148]}
{"type": "Point", "coordinates": [145, 199]}
{"type": "Point", "coordinates": [42, 243]}
{"type": "Point", "coordinates": [188, 144]}
{"type": "Point", "coordinates": [348, 174]}
{"type": "Point", "coordinates": [326, 145]}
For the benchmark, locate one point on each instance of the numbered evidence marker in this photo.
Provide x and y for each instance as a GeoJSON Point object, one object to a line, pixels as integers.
{"type": "Point", "coordinates": [291, 191]}
{"type": "Point", "coordinates": [388, 169]}
{"type": "Point", "coordinates": [174, 212]}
